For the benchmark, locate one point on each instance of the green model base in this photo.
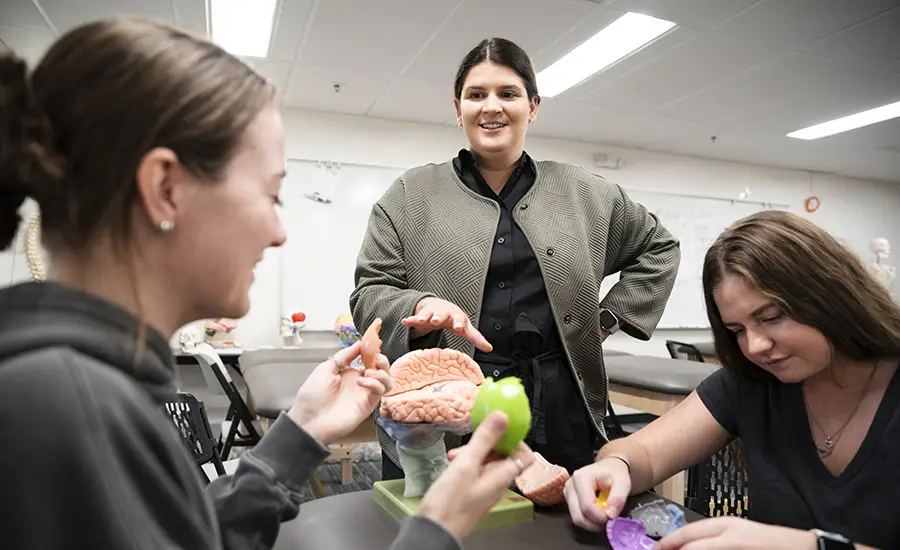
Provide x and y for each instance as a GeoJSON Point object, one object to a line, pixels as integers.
{"type": "Point", "coordinates": [511, 509]}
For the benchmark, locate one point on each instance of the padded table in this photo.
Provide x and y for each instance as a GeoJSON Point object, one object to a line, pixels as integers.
{"type": "Point", "coordinates": [273, 377]}
{"type": "Point", "coordinates": [352, 521]}
{"type": "Point", "coordinates": [708, 351]}
{"type": "Point", "coordinates": [655, 385]}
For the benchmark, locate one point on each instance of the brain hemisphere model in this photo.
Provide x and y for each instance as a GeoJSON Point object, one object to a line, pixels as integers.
{"type": "Point", "coordinates": [542, 482]}
{"type": "Point", "coordinates": [432, 385]}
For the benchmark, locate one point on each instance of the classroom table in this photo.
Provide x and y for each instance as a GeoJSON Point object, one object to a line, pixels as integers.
{"type": "Point", "coordinates": [655, 385]}
{"type": "Point", "coordinates": [353, 521]}
{"type": "Point", "coordinates": [229, 356]}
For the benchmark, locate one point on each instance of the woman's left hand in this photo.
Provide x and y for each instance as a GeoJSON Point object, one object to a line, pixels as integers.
{"type": "Point", "coordinates": [335, 399]}
{"type": "Point", "coordinates": [736, 534]}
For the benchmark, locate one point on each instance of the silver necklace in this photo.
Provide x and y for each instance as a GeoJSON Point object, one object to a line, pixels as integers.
{"type": "Point", "coordinates": [827, 448]}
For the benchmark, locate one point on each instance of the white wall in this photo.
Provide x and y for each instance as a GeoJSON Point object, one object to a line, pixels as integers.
{"type": "Point", "coordinates": [853, 210]}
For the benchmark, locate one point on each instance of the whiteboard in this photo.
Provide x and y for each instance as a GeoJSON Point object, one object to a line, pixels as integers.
{"type": "Point", "coordinates": [695, 222]}
{"type": "Point", "coordinates": [323, 240]}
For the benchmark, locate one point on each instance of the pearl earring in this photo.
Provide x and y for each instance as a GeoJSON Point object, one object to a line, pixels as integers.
{"type": "Point", "coordinates": [459, 122]}
{"type": "Point", "coordinates": [165, 226]}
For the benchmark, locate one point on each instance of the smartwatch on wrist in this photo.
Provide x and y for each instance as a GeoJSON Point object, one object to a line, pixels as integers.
{"type": "Point", "coordinates": [832, 541]}
{"type": "Point", "coordinates": [608, 321]}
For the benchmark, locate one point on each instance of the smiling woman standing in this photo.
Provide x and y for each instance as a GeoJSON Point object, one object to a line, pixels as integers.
{"type": "Point", "coordinates": [495, 252]}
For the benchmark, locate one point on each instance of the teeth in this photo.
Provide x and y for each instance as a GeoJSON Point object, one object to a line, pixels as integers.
{"type": "Point", "coordinates": [492, 126]}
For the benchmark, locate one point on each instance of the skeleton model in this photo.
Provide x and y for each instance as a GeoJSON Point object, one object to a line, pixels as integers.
{"type": "Point", "coordinates": [881, 271]}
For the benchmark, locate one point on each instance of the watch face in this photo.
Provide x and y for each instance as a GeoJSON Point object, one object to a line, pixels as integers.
{"type": "Point", "coordinates": [607, 319]}
{"type": "Point", "coordinates": [832, 541]}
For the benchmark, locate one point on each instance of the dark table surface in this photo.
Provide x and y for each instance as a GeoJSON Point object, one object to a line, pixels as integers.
{"type": "Point", "coordinates": [353, 521]}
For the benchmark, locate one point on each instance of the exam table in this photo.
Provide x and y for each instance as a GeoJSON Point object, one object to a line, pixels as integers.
{"type": "Point", "coordinates": [273, 377]}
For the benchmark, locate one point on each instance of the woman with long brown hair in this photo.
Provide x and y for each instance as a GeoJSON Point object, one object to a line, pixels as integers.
{"type": "Point", "coordinates": [810, 344]}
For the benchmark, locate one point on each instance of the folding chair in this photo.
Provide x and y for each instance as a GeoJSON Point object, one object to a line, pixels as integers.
{"type": "Point", "coordinates": [189, 416]}
{"type": "Point", "coordinates": [238, 413]}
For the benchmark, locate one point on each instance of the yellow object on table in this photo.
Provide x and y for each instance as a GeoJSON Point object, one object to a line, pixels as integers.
{"type": "Point", "coordinates": [602, 495]}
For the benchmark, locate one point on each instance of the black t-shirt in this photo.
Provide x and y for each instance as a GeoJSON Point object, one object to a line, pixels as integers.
{"type": "Point", "coordinates": [788, 484]}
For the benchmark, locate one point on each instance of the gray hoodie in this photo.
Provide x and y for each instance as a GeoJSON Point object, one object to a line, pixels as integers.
{"type": "Point", "coordinates": [89, 459]}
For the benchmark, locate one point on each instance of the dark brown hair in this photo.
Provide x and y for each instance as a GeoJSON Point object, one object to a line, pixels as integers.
{"type": "Point", "coordinates": [73, 133]}
{"type": "Point", "coordinates": [811, 277]}
{"type": "Point", "coordinates": [499, 51]}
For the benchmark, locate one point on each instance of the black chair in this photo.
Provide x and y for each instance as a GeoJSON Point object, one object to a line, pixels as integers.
{"type": "Point", "coordinates": [687, 352]}
{"type": "Point", "coordinates": [718, 485]}
{"type": "Point", "coordinates": [192, 424]}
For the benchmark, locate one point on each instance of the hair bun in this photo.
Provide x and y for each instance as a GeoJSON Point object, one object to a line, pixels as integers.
{"type": "Point", "coordinates": [27, 162]}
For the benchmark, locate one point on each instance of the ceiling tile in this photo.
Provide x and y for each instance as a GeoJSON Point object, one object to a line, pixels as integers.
{"type": "Point", "coordinates": [21, 13]}
{"type": "Point", "coordinates": [589, 28]}
{"type": "Point", "coordinates": [276, 71]}
{"type": "Point", "coordinates": [66, 14]}
{"type": "Point", "coordinates": [292, 24]}
{"type": "Point", "coordinates": [28, 43]}
{"type": "Point", "coordinates": [591, 123]}
{"type": "Point", "coordinates": [372, 36]}
{"type": "Point", "coordinates": [695, 13]}
{"type": "Point", "coordinates": [415, 100]}
{"type": "Point", "coordinates": [793, 24]}
{"type": "Point", "coordinates": [312, 87]}
{"type": "Point", "coordinates": [190, 15]}
{"type": "Point", "coordinates": [874, 42]}
{"type": "Point", "coordinates": [680, 72]}
{"type": "Point", "coordinates": [796, 91]}
{"type": "Point", "coordinates": [528, 23]}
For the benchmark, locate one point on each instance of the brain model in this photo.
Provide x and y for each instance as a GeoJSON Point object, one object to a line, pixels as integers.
{"type": "Point", "coordinates": [542, 483]}
{"type": "Point", "coordinates": [432, 385]}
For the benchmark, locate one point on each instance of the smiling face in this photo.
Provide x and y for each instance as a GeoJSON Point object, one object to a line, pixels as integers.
{"type": "Point", "coordinates": [494, 110]}
{"type": "Point", "coordinates": [789, 350]}
{"type": "Point", "coordinates": [226, 226]}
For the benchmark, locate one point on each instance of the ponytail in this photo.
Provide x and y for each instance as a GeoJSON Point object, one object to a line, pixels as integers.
{"type": "Point", "coordinates": [27, 163]}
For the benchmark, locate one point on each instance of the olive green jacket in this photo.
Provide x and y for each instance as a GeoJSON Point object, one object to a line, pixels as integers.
{"type": "Point", "coordinates": [430, 235]}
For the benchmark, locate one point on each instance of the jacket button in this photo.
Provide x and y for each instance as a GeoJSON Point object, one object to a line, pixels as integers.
{"type": "Point", "coordinates": [523, 207]}
{"type": "Point", "coordinates": [550, 251]}
{"type": "Point", "coordinates": [567, 319]}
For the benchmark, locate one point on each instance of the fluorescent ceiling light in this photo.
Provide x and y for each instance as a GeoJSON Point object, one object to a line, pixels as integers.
{"type": "Point", "coordinates": [243, 27]}
{"type": "Point", "coordinates": [620, 38]}
{"type": "Point", "coordinates": [850, 122]}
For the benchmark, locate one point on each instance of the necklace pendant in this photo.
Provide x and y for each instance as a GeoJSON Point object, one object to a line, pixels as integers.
{"type": "Point", "coordinates": [828, 443]}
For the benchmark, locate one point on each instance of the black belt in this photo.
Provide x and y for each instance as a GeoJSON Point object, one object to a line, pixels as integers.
{"type": "Point", "coordinates": [529, 370]}
{"type": "Point", "coordinates": [527, 365]}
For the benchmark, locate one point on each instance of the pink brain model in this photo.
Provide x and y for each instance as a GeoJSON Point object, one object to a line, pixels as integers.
{"type": "Point", "coordinates": [433, 385]}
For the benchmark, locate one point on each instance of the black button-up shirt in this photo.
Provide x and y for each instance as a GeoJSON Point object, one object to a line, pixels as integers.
{"type": "Point", "coordinates": [514, 284]}
{"type": "Point", "coordinates": [517, 319]}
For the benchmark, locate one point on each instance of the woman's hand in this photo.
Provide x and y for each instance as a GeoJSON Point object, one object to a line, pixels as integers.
{"type": "Point", "coordinates": [737, 534]}
{"type": "Point", "coordinates": [434, 314]}
{"type": "Point", "coordinates": [335, 399]}
{"type": "Point", "coordinates": [475, 480]}
{"type": "Point", "coordinates": [609, 474]}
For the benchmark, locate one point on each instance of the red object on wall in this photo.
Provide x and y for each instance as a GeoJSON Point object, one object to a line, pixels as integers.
{"type": "Point", "coordinates": [298, 317]}
{"type": "Point", "coordinates": [811, 204]}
